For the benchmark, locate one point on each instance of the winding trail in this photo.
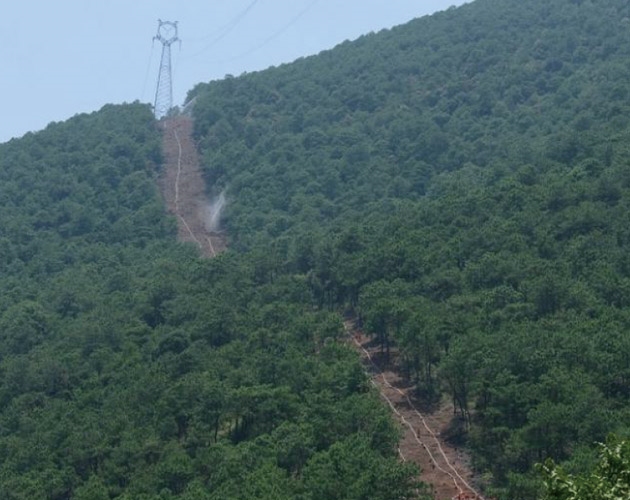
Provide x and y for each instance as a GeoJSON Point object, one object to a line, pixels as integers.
{"type": "Point", "coordinates": [183, 187]}
{"type": "Point", "coordinates": [442, 465]}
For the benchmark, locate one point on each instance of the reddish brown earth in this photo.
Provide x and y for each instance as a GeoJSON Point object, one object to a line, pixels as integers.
{"type": "Point", "coordinates": [183, 187]}
{"type": "Point", "coordinates": [443, 466]}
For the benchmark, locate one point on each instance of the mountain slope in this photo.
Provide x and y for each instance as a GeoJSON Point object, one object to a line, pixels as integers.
{"type": "Point", "coordinates": [132, 369]}
{"type": "Point", "coordinates": [389, 111]}
{"type": "Point", "coordinates": [461, 182]}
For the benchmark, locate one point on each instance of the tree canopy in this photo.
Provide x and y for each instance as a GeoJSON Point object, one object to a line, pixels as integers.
{"type": "Point", "coordinates": [461, 183]}
{"type": "Point", "coordinates": [131, 369]}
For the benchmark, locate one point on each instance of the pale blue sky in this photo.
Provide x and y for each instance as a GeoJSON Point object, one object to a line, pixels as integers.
{"type": "Point", "coordinates": [65, 57]}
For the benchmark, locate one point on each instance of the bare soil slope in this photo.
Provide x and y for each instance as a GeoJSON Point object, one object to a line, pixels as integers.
{"type": "Point", "coordinates": [183, 187]}
{"type": "Point", "coordinates": [442, 465]}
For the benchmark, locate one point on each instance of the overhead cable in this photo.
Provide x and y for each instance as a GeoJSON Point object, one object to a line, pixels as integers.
{"type": "Point", "coordinates": [224, 30]}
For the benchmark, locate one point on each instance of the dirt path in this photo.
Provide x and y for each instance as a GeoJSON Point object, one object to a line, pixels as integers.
{"type": "Point", "coordinates": [183, 187]}
{"type": "Point", "coordinates": [443, 466]}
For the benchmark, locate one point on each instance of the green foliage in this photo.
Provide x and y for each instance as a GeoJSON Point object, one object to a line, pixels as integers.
{"type": "Point", "coordinates": [609, 480]}
{"type": "Point", "coordinates": [460, 183]}
{"type": "Point", "coordinates": [131, 369]}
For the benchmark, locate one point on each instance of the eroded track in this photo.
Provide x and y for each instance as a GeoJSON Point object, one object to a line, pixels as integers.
{"type": "Point", "coordinates": [183, 187]}
{"type": "Point", "coordinates": [442, 465]}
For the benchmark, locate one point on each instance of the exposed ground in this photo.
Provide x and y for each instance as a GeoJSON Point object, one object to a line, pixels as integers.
{"type": "Point", "coordinates": [183, 187]}
{"type": "Point", "coordinates": [442, 465]}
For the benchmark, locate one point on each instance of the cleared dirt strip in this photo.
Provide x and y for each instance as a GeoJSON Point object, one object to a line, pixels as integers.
{"type": "Point", "coordinates": [442, 465]}
{"type": "Point", "coordinates": [183, 187]}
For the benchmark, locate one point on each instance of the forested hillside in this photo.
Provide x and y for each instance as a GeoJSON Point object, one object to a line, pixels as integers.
{"type": "Point", "coordinates": [132, 369]}
{"type": "Point", "coordinates": [461, 183]}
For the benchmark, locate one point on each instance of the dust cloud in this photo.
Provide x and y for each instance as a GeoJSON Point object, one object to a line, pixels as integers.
{"type": "Point", "coordinates": [212, 213]}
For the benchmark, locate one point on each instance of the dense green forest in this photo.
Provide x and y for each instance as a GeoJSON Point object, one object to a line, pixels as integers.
{"type": "Point", "coordinates": [131, 369]}
{"type": "Point", "coordinates": [462, 184]}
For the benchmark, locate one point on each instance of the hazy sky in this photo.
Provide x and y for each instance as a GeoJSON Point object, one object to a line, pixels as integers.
{"type": "Point", "coordinates": [65, 57]}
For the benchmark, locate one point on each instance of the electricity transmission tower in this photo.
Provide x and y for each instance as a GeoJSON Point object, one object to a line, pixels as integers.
{"type": "Point", "coordinates": [167, 35]}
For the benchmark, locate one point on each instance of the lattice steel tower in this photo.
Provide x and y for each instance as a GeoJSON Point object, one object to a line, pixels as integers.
{"type": "Point", "coordinates": [167, 35]}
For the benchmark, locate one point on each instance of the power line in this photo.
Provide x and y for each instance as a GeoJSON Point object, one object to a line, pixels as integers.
{"type": "Point", "coordinates": [146, 75]}
{"type": "Point", "coordinates": [165, 66]}
{"type": "Point", "coordinates": [225, 29]}
{"type": "Point", "coordinates": [271, 38]}
{"type": "Point", "coordinates": [228, 25]}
